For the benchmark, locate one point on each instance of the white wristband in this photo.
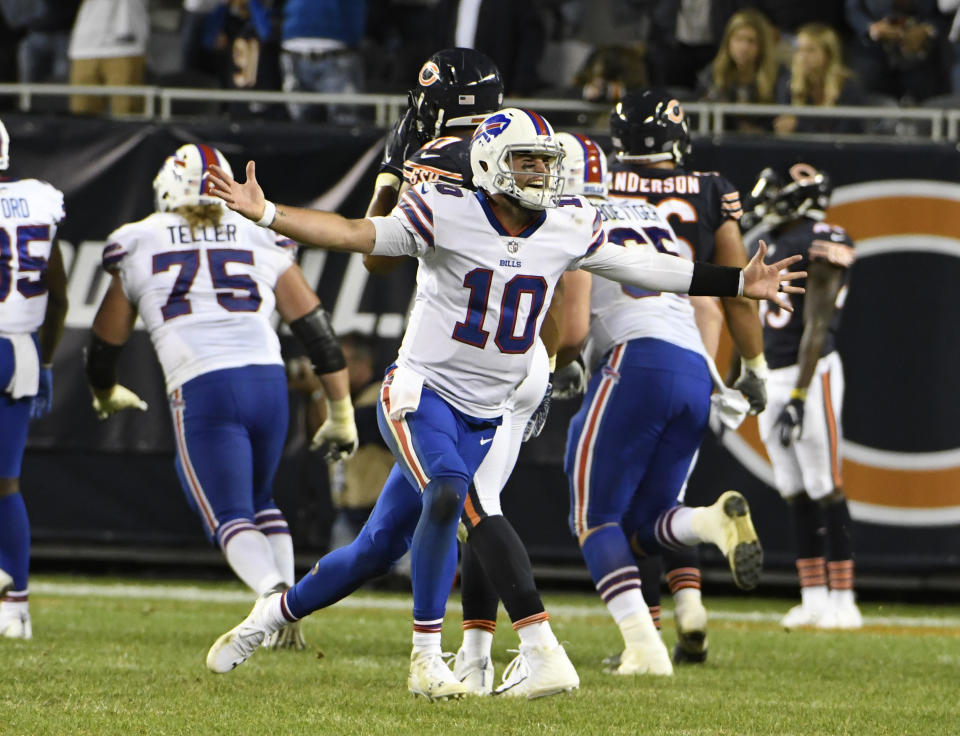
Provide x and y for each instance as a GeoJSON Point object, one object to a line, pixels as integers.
{"type": "Point", "coordinates": [739, 288]}
{"type": "Point", "coordinates": [270, 214]}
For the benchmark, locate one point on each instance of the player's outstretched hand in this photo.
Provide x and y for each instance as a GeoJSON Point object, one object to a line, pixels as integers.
{"type": "Point", "coordinates": [771, 280]}
{"type": "Point", "coordinates": [113, 399]}
{"type": "Point", "coordinates": [246, 198]}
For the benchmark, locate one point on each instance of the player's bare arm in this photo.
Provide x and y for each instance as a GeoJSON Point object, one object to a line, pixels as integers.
{"type": "Point", "coordinates": [326, 230]}
{"type": "Point", "coordinates": [823, 284]}
{"type": "Point", "coordinates": [741, 314]}
{"type": "Point", "coordinates": [576, 315]}
{"type": "Point", "coordinates": [52, 328]}
{"type": "Point", "coordinates": [387, 191]}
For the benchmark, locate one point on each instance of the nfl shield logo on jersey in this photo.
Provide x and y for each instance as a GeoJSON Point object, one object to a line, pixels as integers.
{"type": "Point", "coordinates": [513, 246]}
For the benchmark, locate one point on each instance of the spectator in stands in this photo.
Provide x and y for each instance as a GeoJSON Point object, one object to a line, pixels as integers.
{"type": "Point", "coordinates": [745, 69]}
{"type": "Point", "coordinates": [42, 54]}
{"type": "Point", "coordinates": [609, 72]}
{"type": "Point", "coordinates": [788, 15]}
{"type": "Point", "coordinates": [818, 77]}
{"type": "Point", "coordinates": [355, 482]}
{"type": "Point", "coordinates": [195, 57]}
{"type": "Point", "coordinates": [899, 48]}
{"type": "Point", "coordinates": [952, 9]}
{"type": "Point", "coordinates": [244, 35]}
{"type": "Point", "coordinates": [108, 46]}
{"type": "Point", "coordinates": [511, 32]}
{"type": "Point", "coordinates": [685, 38]}
{"type": "Point", "coordinates": [320, 54]}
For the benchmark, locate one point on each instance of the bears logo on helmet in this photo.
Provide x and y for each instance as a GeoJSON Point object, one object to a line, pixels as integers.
{"type": "Point", "coordinates": [429, 74]}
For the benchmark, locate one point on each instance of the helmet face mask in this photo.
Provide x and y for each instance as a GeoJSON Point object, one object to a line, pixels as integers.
{"type": "Point", "coordinates": [806, 193]}
{"type": "Point", "coordinates": [4, 147]}
{"type": "Point", "coordinates": [650, 126]}
{"type": "Point", "coordinates": [455, 87]}
{"type": "Point", "coordinates": [500, 140]}
{"type": "Point", "coordinates": [183, 178]}
{"type": "Point", "coordinates": [584, 166]}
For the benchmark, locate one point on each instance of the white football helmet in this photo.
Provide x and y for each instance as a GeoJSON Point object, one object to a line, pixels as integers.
{"type": "Point", "coordinates": [584, 166]}
{"type": "Point", "coordinates": [4, 147]}
{"type": "Point", "coordinates": [182, 180]}
{"type": "Point", "coordinates": [505, 133]}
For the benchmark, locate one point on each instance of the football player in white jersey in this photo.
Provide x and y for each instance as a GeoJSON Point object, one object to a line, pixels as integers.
{"type": "Point", "coordinates": [33, 306]}
{"type": "Point", "coordinates": [632, 444]}
{"type": "Point", "coordinates": [489, 261]}
{"type": "Point", "coordinates": [456, 89]}
{"type": "Point", "coordinates": [205, 282]}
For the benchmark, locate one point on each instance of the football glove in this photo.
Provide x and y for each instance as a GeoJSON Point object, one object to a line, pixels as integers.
{"type": "Point", "coordinates": [337, 437]}
{"type": "Point", "coordinates": [403, 141]}
{"type": "Point", "coordinates": [753, 383]}
{"type": "Point", "coordinates": [790, 422]}
{"type": "Point", "coordinates": [112, 400]}
{"type": "Point", "coordinates": [43, 401]}
{"type": "Point", "coordinates": [570, 381]}
{"type": "Point", "coordinates": [539, 417]}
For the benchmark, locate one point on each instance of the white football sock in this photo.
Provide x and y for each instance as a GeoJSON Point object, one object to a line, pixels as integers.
{"type": "Point", "coordinates": [249, 554]}
{"type": "Point", "coordinates": [426, 642]}
{"type": "Point", "coordinates": [537, 635]}
{"type": "Point", "coordinates": [282, 546]}
{"type": "Point", "coordinates": [477, 643]}
{"type": "Point", "coordinates": [814, 597]}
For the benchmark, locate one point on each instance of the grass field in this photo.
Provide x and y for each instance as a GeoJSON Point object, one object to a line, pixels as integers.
{"type": "Point", "coordinates": [127, 657]}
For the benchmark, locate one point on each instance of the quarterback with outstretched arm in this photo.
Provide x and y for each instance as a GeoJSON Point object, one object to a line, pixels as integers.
{"type": "Point", "coordinates": [489, 262]}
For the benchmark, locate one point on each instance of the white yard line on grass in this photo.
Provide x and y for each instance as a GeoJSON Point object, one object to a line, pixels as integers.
{"type": "Point", "coordinates": [397, 603]}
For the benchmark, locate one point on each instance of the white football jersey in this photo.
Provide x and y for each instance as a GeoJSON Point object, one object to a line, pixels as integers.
{"type": "Point", "coordinates": [619, 313]}
{"type": "Point", "coordinates": [30, 211]}
{"type": "Point", "coordinates": [482, 292]}
{"type": "Point", "coordinates": [205, 296]}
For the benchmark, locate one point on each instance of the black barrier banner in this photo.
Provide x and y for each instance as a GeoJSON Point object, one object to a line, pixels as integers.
{"type": "Point", "coordinates": [900, 203]}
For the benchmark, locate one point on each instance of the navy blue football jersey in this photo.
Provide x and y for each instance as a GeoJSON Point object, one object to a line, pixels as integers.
{"type": "Point", "coordinates": [696, 203]}
{"type": "Point", "coordinates": [445, 159]}
{"type": "Point", "coordinates": [814, 241]}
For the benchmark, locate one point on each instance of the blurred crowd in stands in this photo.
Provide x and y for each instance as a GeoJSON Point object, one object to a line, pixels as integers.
{"type": "Point", "coordinates": [814, 52]}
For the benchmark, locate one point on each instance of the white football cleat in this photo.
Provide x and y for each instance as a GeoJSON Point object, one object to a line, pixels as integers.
{"type": "Point", "coordinates": [841, 616]}
{"type": "Point", "coordinates": [6, 582]}
{"type": "Point", "coordinates": [237, 645]}
{"type": "Point", "coordinates": [431, 677]}
{"type": "Point", "coordinates": [475, 673]}
{"type": "Point", "coordinates": [16, 624]}
{"type": "Point", "coordinates": [650, 659]}
{"type": "Point", "coordinates": [289, 637]}
{"type": "Point", "coordinates": [537, 672]}
{"type": "Point", "coordinates": [727, 524]}
{"type": "Point", "coordinates": [801, 617]}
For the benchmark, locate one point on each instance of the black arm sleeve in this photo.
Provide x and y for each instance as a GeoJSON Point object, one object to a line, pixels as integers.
{"type": "Point", "coordinates": [316, 334]}
{"type": "Point", "coordinates": [102, 363]}
{"type": "Point", "coordinates": [711, 280]}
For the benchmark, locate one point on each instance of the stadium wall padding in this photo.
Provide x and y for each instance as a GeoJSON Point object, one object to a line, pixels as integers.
{"type": "Point", "coordinates": [113, 482]}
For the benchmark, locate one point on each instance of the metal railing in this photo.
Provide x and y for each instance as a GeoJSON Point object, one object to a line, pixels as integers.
{"type": "Point", "coordinates": [934, 124]}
